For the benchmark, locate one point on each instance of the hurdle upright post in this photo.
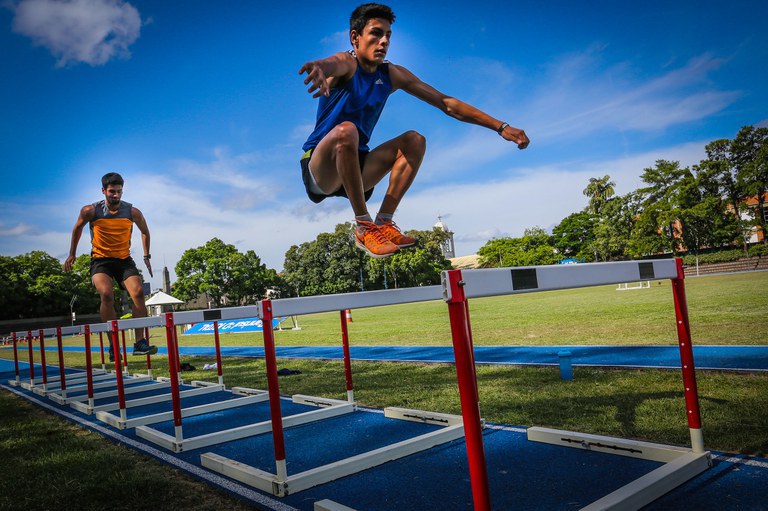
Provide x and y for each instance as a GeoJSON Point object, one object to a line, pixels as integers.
{"type": "Point", "coordinates": [31, 359]}
{"type": "Point", "coordinates": [118, 369]}
{"type": "Point", "coordinates": [62, 376]}
{"type": "Point", "coordinates": [101, 348]}
{"type": "Point", "coordinates": [468, 394]}
{"type": "Point", "coordinates": [273, 388]}
{"type": "Point", "coordinates": [218, 352]}
{"type": "Point", "coordinates": [173, 373]}
{"type": "Point", "coordinates": [88, 367]}
{"type": "Point", "coordinates": [686, 360]}
{"type": "Point", "coordinates": [15, 356]}
{"type": "Point", "coordinates": [125, 350]}
{"type": "Point", "coordinates": [347, 358]}
{"type": "Point", "coordinates": [41, 334]}
{"type": "Point", "coordinates": [149, 358]}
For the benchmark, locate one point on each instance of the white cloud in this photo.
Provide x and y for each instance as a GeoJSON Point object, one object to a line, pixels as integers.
{"type": "Point", "coordinates": [20, 229]}
{"type": "Point", "coordinates": [581, 98]}
{"type": "Point", "coordinates": [89, 31]}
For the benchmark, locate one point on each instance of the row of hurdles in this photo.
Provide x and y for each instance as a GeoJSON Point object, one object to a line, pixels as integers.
{"type": "Point", "coordinates": [153, 406]}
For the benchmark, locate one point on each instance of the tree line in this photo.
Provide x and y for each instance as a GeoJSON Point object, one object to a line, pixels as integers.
{"type": "Point", "coordinates": [678, 209]}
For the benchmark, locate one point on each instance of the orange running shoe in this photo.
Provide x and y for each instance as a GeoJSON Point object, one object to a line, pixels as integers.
{"type": "Point", "coordinates": [393, 234]}
{"type": "Point", "coordinates": [370, 238]}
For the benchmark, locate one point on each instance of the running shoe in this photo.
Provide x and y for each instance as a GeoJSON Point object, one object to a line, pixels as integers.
{"type": "Point", "coordinates": [393, 234]}
{"type": "Point", "coordinates": [370, 238]}
{"type": "Point", "coordinates": [142, 347]}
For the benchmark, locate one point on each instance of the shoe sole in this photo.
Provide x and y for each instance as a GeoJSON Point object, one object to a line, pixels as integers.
{"type": "Point", "coordinates": [375, 256]}
{"type": "Point", "coordinates": [150, 351]}
{"type": "Point", "coordinates": [406, 245]}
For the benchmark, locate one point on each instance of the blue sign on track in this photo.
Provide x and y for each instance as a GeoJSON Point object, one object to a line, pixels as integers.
{"type": "Point", "coordinates": [232, 326]}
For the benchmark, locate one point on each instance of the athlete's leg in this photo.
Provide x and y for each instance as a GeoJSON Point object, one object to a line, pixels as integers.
{"type": "Point", "coordinates": [134, 287]}
{"type": "Point", "coordinates": [400, 157]}
{"type": "Point", "coordinates": [105, 287]}
{"type": "Point", "coordinates": [335, 163]}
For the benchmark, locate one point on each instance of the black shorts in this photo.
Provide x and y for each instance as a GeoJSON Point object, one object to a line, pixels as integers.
{"type": "Point", "coordinates": [338, 193]}
{"type": "Point", "coordinates": [118, 269]}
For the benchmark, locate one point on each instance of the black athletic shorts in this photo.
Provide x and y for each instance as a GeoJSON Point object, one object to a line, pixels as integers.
{"type": "Point", "coordinates": [118, 269]}
{"type": "Point", "coordinates": [338, 193]}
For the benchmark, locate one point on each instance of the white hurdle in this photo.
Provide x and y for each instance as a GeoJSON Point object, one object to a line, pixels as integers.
{"type": "Point", "coordinates": [679, 464]}
{"type": "Point", "coordinates": [281, 483]}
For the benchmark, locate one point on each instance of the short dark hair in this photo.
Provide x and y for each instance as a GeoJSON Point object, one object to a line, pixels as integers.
{"type": "Point", "coordinates": [365, 12]}
{"type": "Point", "coordinates": [112, 178]}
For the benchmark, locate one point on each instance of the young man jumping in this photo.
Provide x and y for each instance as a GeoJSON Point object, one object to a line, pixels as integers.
{"type": "Point", "coordinates": [111, 222]}
{"type": "Point", "coordinates": [353, 87]}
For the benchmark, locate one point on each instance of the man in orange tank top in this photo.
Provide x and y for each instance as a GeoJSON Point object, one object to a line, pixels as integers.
{"type": "Point", "coordinates": [111, 224]}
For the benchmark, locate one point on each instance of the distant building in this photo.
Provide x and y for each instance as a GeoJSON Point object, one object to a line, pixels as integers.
{"type": "Point", "coordinates": [448, 248]}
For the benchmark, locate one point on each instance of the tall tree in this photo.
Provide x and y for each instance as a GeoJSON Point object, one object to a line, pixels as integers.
{"type": "Point", "coordinates": [220, 271]}
{"type": "Point", "coordinates": [532, 249]}
{"type": "Point", "coordinates": [613, 231]}
{"type": "Point", "coordinates": [599, 190]}
{"type": "Point", "coordinates": [34, 285]}
{"type": "Point", "coordinates": [702, 219]}
{"type": "Point", "coordinates": [574, 236]}
{"type": "Point", "coordinates": [750, 154]}
{"type": "Point", "coordinates": [658, 199]}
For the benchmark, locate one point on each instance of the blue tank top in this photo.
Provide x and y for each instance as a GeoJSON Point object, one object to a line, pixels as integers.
{"type": "Point", "coordinates": [360, 100]}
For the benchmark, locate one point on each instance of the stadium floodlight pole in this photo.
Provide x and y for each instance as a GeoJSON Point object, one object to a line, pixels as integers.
{"type": "Point", "coordinates": [62, 375]}
{"type": "Point", "coordinates": [468, 394]}
{"type": "Point", "coordinates": [218, 352]}
{"type": "Point", "coordinates": [41, 335]}
{"type": "Point", "coordinates": [88, 367]}
{"type": "Point", "coordinates": [347, 358]}
{"type": "Point", "coordinates": [173, 373]}
{"type": "Point", "coordinates": [15, 355]}
{"type": "Point", "coordinates": [31, 359]}
{"type": "Point", "coordinates": [686, 360]}
{"type": "Point", "coordinates": [118, 369]}
{"type": "Point", "coordinates": [273, 388]}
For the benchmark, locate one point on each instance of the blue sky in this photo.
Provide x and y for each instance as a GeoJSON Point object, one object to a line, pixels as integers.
{"type": "Point", "coordinates": [200, 106]}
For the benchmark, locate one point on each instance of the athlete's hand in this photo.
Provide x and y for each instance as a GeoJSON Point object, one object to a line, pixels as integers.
{"type": "Point", "coordinates": [149, 266]}
{"type": "Point", "coordinates": [315, 75]}
{"type": "Point", "coordinates": [68, 263]}
{"type": "Point", "coordinates": [516, 135]}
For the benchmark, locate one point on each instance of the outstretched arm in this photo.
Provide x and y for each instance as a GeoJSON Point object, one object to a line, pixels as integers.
{"type": "Point", "coordinates": [141, 223]}
{"type": "Point", "coordinates": [86, 215]}
{"type": "Point", "coordinates": [404, 79]}
{"type": "Point", "coordinates": [323, 73]}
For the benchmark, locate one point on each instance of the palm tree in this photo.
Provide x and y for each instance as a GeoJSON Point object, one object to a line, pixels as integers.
{"type": "Point", "coordinates": [599, 190]}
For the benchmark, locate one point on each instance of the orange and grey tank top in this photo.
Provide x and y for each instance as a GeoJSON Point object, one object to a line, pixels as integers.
{"type": "Point", "coordinates": [111, 230]}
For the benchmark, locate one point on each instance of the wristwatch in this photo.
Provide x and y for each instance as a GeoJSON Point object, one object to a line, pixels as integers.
{"type": "Point", "coordinates": [148, 256]}
{"type": "Point", "coordinates": [501, 128]}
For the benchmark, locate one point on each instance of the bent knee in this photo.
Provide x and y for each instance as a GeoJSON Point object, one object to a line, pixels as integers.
{"type": "Point", "coordinates": [415, 141]}
{"type": "Point", "coordinates": [346, 135]}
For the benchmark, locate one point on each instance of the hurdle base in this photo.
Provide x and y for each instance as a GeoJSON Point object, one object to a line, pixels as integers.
{"type": "Point", "coordinates": [680, 465]}
{"type": "Point", "coordinates": [171, 443]}
{"type": "Point", "coordinates": [103, 413]}
{"type": "Point", "coordinates": [269, 482]}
